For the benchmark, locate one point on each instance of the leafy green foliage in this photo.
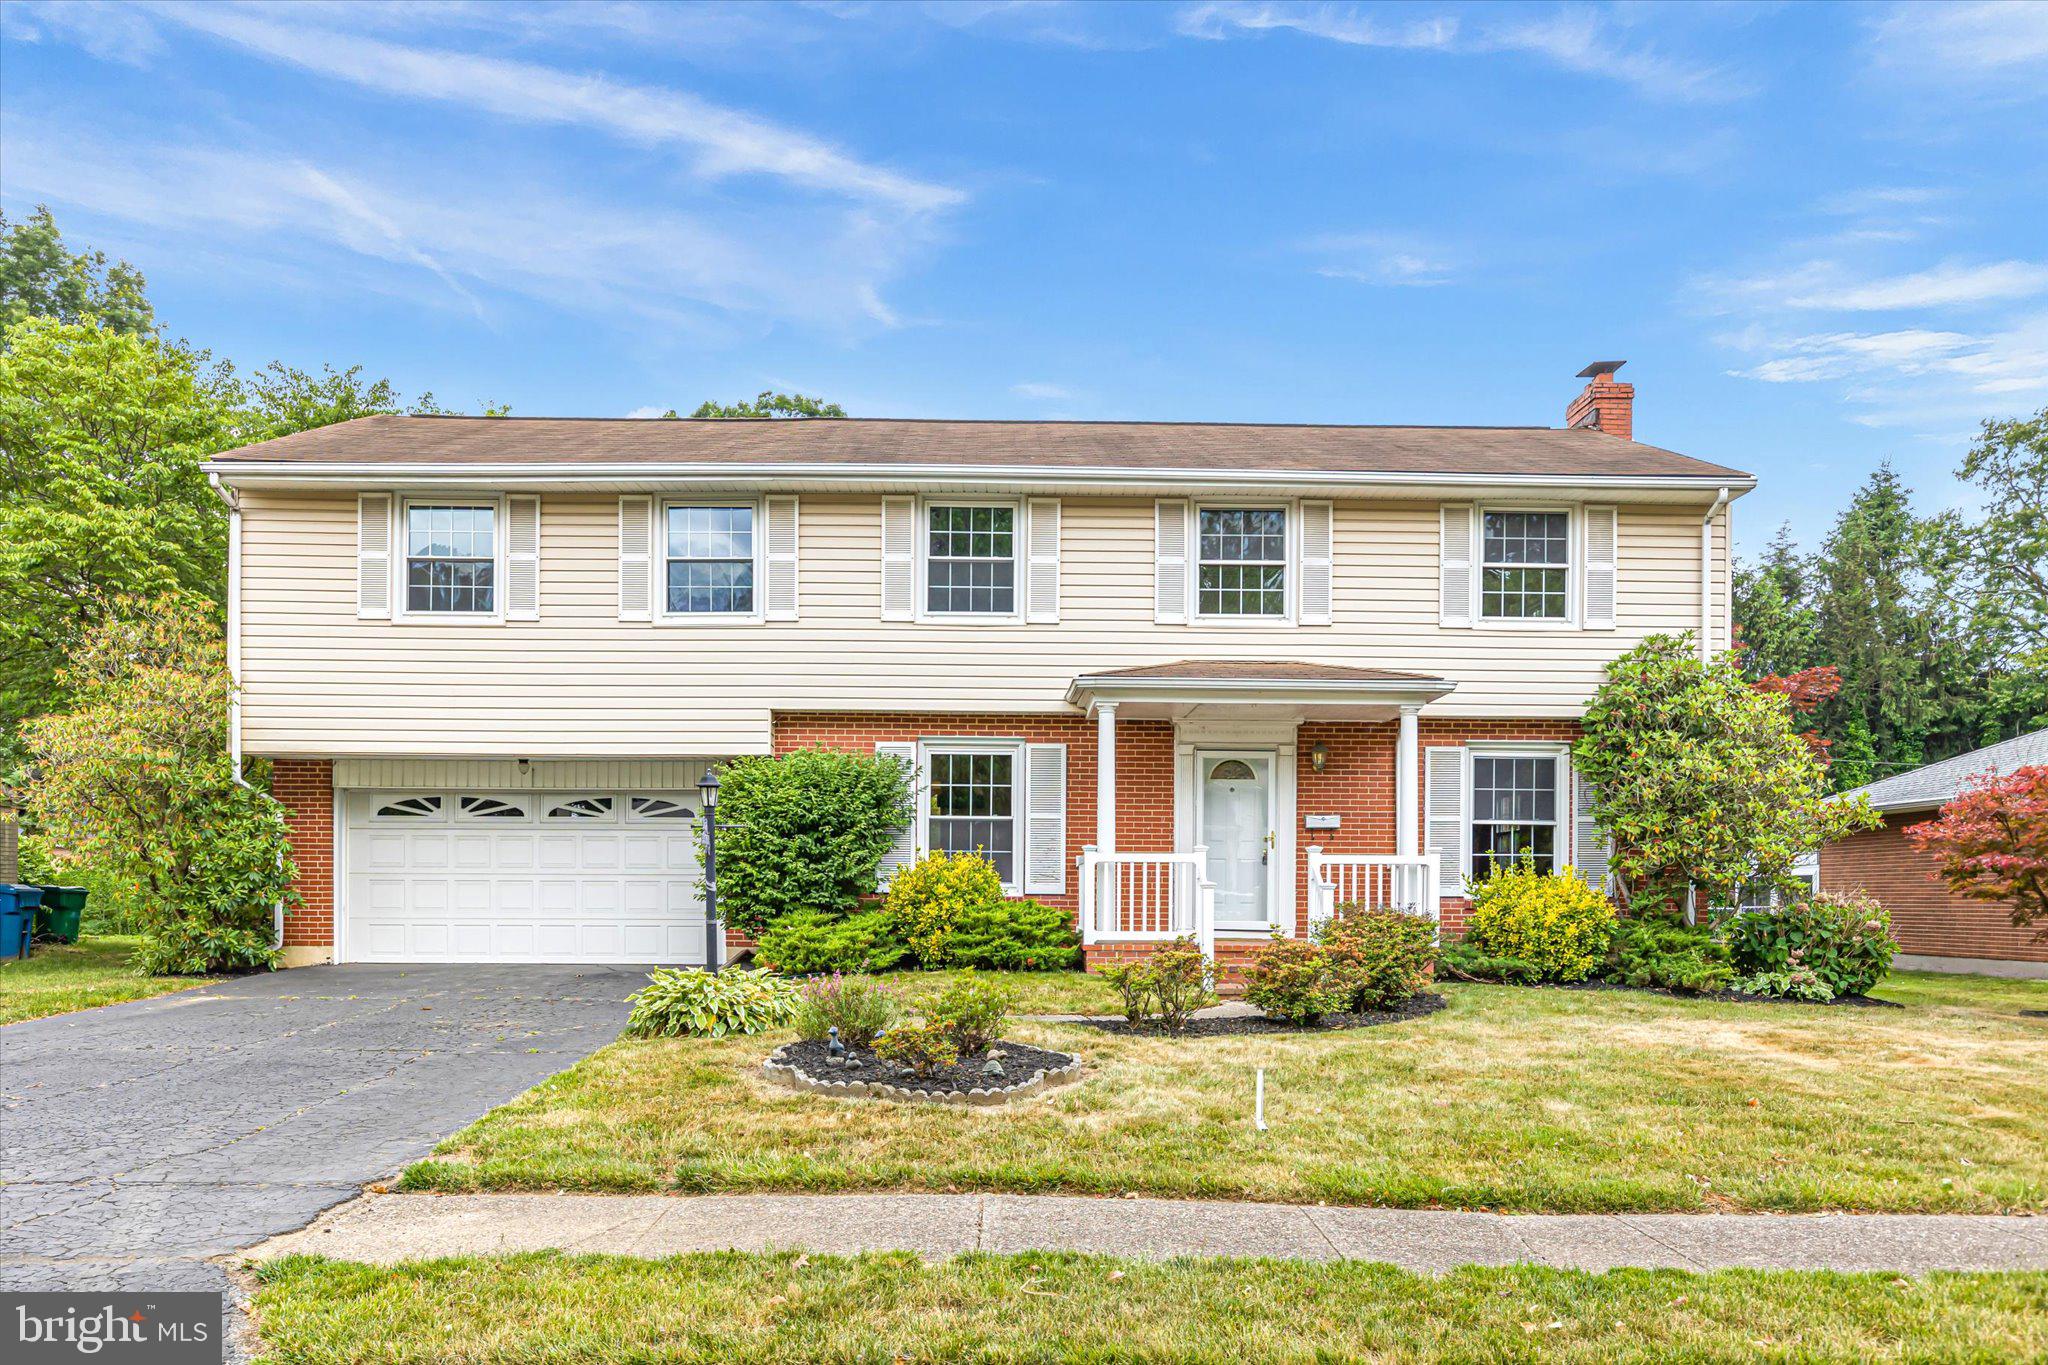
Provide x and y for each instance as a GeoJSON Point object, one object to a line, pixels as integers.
{"type": "Point", "coordinates": [1382, 957]}
{"type": "Point", "coordinates": [1462, 961]}
{"type": "Point", "coordinates": [1180, 982]}
{"type": "Point", "coordinates": [928, 899]}
{"type": "Point", "coordinates": [768, 404]}
{"type": "Point", "coordinates": [860, 1007]}
{"type": "Point", "coordinates": [1132, 981]}
{"type": "Point", "coordinates": [1553, 921]}
{"type": "Point", "coordinates": [1295, 980]}
{"type": "Point", "coordinates": [920, 1048]}
{"type": "Point", "coordinates": [1662, 950]}
{"type": "Point", "coordinates": [805, 942]}
{"type": "Point", "coordinates": [972, 1012]}
{"type": "Point", "coordinates": [196, 948]}
{"type": "Point", "coordinates": [41, 278]}
{"type": "Point", "coordinates": [135, 778]}
{"type": "Point", "coordinates": [805, 831]}
{"type": "Point", "coordinates": [112, 904]}
{"type": "Point", "coordinates": [1015, 936]}
{"type": "Point", "coordinates": [1844, 940]}
{"type": "Point", "coordinates": [679, 1001]}
{"type": "Point", "coordinates": [1699, 777]}
{"type": "Point", "coordinates": [1791, 983]}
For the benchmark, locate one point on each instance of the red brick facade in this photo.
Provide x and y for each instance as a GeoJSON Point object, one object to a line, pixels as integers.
{"type": "Point", "coordinates": [306, 787]}
{"type": "Point", "coordinates": [1928, 919]}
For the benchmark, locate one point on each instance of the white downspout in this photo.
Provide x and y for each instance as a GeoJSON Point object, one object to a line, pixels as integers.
{"type": "Point", "coordinates": [1707, 576]}
{"type": "Point", "coordinates": [234, 645]}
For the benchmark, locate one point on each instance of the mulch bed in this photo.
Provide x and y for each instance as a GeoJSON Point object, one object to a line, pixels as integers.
{"type": "Point", "coordinates": [1018, 1060]}
{"type": "Point", "coordinates": [1725, 997]}
{"type": "Point", "coordinates": [1416, 1007]}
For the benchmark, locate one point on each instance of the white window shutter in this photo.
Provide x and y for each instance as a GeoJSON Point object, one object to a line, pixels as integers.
{"type": "Point", "coordinates": [636, 559]}
{"type": "Point", "coordinates": [1602, 550]}
{"type": "Point", "coordinates": [522, 558]}
{"type": "Point", "coordinates": [899, 559]}
{"type": "Point", "coordinates": [1042, 571]}
{"type": "Point", "coordinates": [1318, 534]}
{"type": "Point", "coordinates": [1045, 819]}
{"type": "Point", "coordinates": [373, 554]}
{"type": "Point", "coordinates": [1454, 567]}
{"type": "Point", "coordinates": [1591, 847]}
{"type": "Point", "coordinates": [1444, 794]}
{"type": "Point", "coordinates": [904, 851]}
{"type": "Point", "coordinates": [1170, 561]}
{"type": "Point", "coordinates": [782, 534]}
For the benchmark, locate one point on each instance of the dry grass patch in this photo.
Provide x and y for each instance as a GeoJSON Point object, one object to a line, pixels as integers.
{"type": "Point", "coordinates": [1511, 1098]}
{"type": "Point", "coordinates": [61, 977]}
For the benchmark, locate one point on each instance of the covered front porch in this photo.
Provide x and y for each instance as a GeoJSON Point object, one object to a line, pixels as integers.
{"type": "Point", "coordinates": [1295, 787]}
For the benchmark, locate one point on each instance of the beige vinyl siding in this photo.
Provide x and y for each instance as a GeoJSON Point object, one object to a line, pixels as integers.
{"type": "Point", "coordinates": [578, 681]}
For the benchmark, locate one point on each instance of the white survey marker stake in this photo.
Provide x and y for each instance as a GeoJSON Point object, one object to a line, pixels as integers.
{"type": "Point", "coordinates": [1259, 1100]}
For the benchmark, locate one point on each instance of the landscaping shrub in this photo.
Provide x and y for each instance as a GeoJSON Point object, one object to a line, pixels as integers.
{"type": "Point", "coordinates": [860, 1007]}
{"type": "Point", "coordinates": [1132, 981]}
{"type": "Point", "coordinates": [1553, 921]}
{"type": "Point", "coordinates": [1797, 982]}
{"type": "Point", "coordinates": [805, 831]}
{"type": "Point", "coordinates": [111, 904]}
{"type": "Point", "coordinates": [928, 899]}
{"type": "Point", "coordinates": [1295, 980]}
{"type": "Point", "coordinates": [677, 1001]}
{"type": "Point", "coordinates": [809, 942]}
{"type": "Point", "coordinates": [1015, 936]}
{"type": "Point", "coordinates": [1843, 939]}
{"type": "Point", "coordinates": [1381, 957]}
{"type": "Point", "coordinates": [1662, 950]}
{"type": "Point", "coordinates": [921, 1048]}
{"type": "Point", "coordinates": [1466, 963]}
{"type": "Point", "coordinates": [972, 1013]}
{"type": "Point", "coordinates": [1179, 982]}
{"type": "Point", "coordinates": [185, 947]}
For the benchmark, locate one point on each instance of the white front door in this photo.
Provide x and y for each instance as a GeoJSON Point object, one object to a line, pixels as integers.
{"type": "Point", "coordinates": [1234, 820]}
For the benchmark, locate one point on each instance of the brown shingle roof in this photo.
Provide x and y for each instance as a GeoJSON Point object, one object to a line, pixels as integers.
{"type": "Point", "coordinates": [1260, 670]}
{"type": "Point", "coordinates": [1195, 446]}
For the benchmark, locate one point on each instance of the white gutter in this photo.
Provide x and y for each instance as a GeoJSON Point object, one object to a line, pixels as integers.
{"type": "Point", "coordinates": [234, 647]}
{"type": "Point", "coordinates": [1707, 575]}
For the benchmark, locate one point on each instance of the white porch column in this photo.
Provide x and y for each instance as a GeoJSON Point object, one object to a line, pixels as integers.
{"type": "Point", "coordinates": [1105, 777]}
{"type": "Point", "coordinates": [1406, 782]}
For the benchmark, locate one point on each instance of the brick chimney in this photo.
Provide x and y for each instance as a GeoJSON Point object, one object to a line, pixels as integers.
{"type": "Point", "coordinates": [1604, 405]}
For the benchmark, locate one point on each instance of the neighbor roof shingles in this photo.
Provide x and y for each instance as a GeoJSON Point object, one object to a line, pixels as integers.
{"type": "Point", "coordinates": [1939, 783]}
{"type": "Point", "coordinates": [1051, 445]}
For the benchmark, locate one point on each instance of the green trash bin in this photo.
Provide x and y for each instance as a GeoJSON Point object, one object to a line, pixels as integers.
{"type": "Point", "coordinates": [58, 918]}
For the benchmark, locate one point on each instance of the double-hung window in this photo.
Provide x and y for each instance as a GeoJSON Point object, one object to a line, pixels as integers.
{"type": "Point", "coordinates": [971, 803]}
{"type": "Point", "coordinates": [709, 559]}
{"type": "Point", "coordinates": [1517, 807]}
{"type": "Point", "coordinates": [451, 558]}
{"type": "Point", "coordinates": [1525, 566]}
{"type": "Point", "coordinates": [970, 561]}
{"type": "Point", "coordinates": [1242, 566]}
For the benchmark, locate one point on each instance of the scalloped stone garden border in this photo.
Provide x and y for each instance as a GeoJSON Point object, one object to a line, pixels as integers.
{"type": "Point", "coordinates": [1037, 1083]}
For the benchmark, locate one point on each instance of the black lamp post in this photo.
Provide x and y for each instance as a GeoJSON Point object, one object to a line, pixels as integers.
{"type": "Point", "coordinates": [713, 940]}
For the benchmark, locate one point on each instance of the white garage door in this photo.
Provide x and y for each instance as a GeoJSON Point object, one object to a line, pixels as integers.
{"type": "Point", "coordinates": [478, 876]}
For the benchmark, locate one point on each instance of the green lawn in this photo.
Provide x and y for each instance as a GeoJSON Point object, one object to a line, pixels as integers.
{"type": "Point", "coordinates": [58, 978]}
{"type": "Point", "coordinates": [1511, 1098]}
{"type": "Point", "coordinates": [733, 1307]}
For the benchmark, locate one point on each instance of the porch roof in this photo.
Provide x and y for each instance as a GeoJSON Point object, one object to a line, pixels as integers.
{"type": "Point", "coordinates": [1246, 687]}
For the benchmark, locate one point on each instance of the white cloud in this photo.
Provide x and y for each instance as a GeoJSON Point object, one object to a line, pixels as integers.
{"type": "Point", "coordinates": [643, 412]}
{"type": "Point", "coordinates": [1051, 393]}
{"type": "Point", "coordinates": [1913, 377]}
{"type": "Point", "coordinates": [1581, 41]}
{"type": "Point", "coordinates": [2002, 44]}
{"type": "Point", "coordinates": [114, 33]}
{"type": "Point", "coordinates": [1381, 258]}
{"type": "Point", "coordinates": [723, 142]}
{"type": "Point", "coordinates": [1830, 286]}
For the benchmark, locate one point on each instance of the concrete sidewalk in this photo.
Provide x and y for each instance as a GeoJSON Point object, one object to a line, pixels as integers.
{"type": "Point", "coordinates": [390, 1228]}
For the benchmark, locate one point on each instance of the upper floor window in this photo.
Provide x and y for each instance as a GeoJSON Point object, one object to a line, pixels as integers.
{"type": "Point", "coordinates": [710, 560]}
{"type": "Point", "coordinates": [1242, 569]}
{"type": "Point", "coordinates": [1515, 805]}
{"type": "Point", "coordinates": [1525, 566]}
{"type": "Point", "coordinates": [451, 557]}
{"type": "Point", "coordinates": [970, 560]}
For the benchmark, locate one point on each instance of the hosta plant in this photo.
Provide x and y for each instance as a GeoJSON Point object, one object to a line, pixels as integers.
{"type": "Point", "coordinates": [679, 1001]}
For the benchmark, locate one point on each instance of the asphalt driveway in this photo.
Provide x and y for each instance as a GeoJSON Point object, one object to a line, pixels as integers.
{"type": "Point", "coordinates": [138, 1140]}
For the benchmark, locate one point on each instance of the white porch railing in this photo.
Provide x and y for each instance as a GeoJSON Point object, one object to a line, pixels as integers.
{"type": "Point", "coordinates": [1371, 880]}
{"type": "Point", "coordinates": [1148, 897]}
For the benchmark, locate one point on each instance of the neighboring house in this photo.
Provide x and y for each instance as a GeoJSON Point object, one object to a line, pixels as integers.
{"type": "Point", "coordinates": [1937, 930]}
{"type": "Point", "coordinates": [1156, 670]}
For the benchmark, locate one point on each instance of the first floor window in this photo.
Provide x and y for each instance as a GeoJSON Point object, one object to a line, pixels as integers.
{"type": "Point", "coordinates": [1526, 566]}
{"type": "Point", "coordinates": [451, 558]}
{"type": "Point", "coordinates": [972, 806]}
{"type": "Point", "coordinates": [1243, 563]}
{"type": "Point", "coordinates": [1514, 811]}
{"type": "Point", "coordinates": [710, 554]}
{"type": "Point", "coordinates": [971, 560]}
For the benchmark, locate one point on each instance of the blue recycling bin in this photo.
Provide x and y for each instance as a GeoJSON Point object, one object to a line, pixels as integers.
{"type": "Point", "coordinates": [17, 918]}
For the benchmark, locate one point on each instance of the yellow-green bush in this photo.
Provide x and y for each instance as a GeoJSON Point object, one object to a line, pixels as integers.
{"type": "Point", "coordinates": [928, 898]}
{"type": "Point", "coordinates": [1552, 921]}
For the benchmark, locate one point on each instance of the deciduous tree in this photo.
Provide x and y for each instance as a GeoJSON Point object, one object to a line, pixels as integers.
{"type": "Point", "coordinates": [1992, 843]}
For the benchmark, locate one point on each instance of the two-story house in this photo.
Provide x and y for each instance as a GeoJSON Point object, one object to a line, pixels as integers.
{"type": "Point", "coordinates": [1172, 676]}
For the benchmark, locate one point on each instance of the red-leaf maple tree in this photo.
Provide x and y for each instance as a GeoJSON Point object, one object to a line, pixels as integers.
{"type": "Point", "coordinates": [1992, 842]}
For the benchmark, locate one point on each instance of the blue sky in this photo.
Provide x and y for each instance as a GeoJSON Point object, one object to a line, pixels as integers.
{"type": "Point", "coordinates": [1818, 233]}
